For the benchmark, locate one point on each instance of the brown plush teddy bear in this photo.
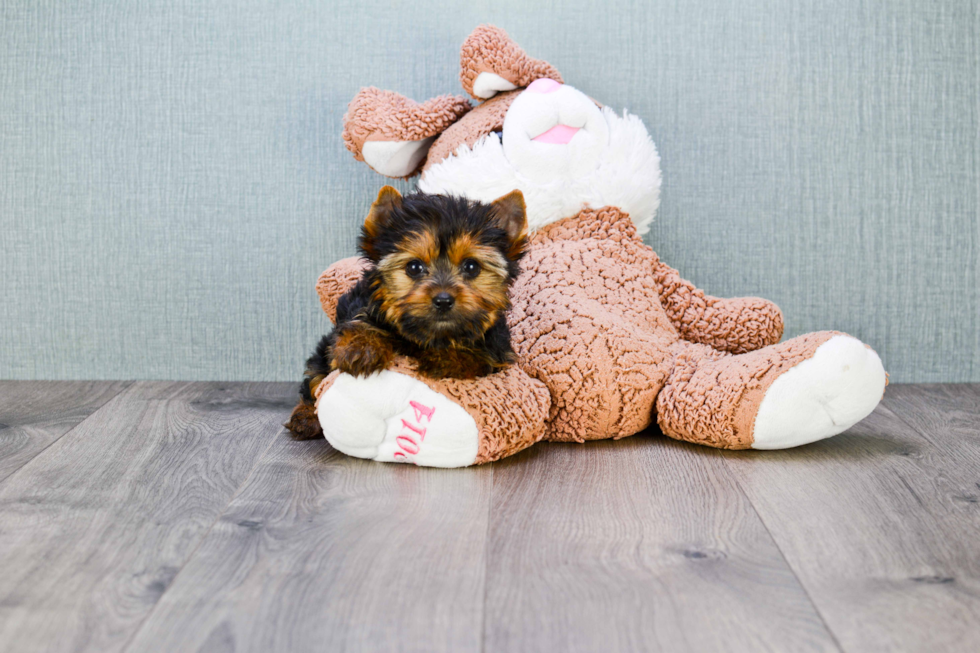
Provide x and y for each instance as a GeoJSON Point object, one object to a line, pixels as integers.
{"type": "Point", "coordinates": [608, 337]}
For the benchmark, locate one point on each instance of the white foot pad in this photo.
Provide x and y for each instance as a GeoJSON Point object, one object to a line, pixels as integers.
{"type": "Point", "coordinates": [391, 417]}
{"type": "Point", "coordinates": [822, 396]}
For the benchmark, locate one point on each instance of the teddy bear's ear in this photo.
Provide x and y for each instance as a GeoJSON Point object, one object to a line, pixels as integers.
{"type": "Point", "coordinates": [490, 62]}
{"type": "Point", "coordinates": [392, 133]}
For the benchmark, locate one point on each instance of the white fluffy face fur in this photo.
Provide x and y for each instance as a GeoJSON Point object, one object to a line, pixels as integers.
{"type": "Point", "coordinates": [610, 161]}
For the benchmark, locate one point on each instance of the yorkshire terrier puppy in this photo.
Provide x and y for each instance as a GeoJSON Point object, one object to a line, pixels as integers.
{"type": "Point", "coordinates": [436, 290]}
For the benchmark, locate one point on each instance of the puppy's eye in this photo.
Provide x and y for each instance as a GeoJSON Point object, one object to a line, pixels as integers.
{"type": "Point", "coordinates": [471, 268]}
{"type": "Point", "coordinates": [415, 268]}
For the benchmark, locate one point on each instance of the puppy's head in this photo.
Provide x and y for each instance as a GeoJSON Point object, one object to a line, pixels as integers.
{"type": "Point", "coordinates": [443, 264]}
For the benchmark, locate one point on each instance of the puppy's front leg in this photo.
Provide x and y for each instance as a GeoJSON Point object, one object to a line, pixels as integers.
{"type": "Point", "coordinates": [361, 349]}
{"type": "Point", "coordinates": [496, 345]}
{"type": "Point", "coordinates": [453, 363]}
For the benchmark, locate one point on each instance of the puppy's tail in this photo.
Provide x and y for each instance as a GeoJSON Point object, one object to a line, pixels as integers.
{"type": "Point", "coordinates": [303, 422]}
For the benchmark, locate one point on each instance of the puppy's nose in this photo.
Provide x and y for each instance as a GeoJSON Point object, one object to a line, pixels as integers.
{"type": "Point", "coordinates": [443, 301]}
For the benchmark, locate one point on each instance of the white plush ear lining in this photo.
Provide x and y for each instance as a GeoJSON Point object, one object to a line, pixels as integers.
{"type": "Point", "coordinates": [396, 158]}
{"type": "Point", "coordinates": [486, 85]}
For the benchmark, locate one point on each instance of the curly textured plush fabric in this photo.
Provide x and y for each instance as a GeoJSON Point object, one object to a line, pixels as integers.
{"type": "Point", "coordinates": [735, 325]}
{"type": "Point", "coordinates": [608, 338]}
{"type": "Point", "coordinates": [336, 280]}
{"type": "Point", "coordinates": [488, 49]}
{"type": "Point", "coordinates": [509, 408]}
{"type": "Point", "coordinates": [488, 117]}
{"type": "Point", "coordinates": [712, 397]}
{"type": "Point", "coordinates": [587, 321]}
{"type": "Point", "coordinates": [377, 115]}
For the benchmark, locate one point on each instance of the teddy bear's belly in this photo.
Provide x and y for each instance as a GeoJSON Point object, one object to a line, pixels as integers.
{"type": "Point", "coordinates": [589, 324]}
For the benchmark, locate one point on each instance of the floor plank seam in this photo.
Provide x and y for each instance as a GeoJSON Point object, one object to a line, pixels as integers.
{"type": "Point", "coordinates": [204, 537]}
{"type": "Point", "coordinates": [782, 554]}
{"type": "Point", "coordinates": [129, 384]}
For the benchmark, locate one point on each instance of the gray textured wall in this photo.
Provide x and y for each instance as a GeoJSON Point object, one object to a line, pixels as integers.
{"type": "Point", "coordinates": [172, 178]}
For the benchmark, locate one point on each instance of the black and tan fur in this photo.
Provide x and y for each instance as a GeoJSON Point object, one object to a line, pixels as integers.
{"type": "Point", "coordinates": [436, 290]}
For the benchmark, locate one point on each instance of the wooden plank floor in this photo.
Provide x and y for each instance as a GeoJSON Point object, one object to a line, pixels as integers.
{"type": "Point", "coordinates": [180, 517]}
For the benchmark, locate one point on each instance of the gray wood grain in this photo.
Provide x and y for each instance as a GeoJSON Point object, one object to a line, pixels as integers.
{"type": "Point", "coordinates": [179, 517]}
{"type": "Point", "coordinates": [33, 414]}
{"type": "Point", "coordinates": [321, 552]}
{"type": "Point", "coordinates": [94, 528]}
{"type": "Point", "coordinates": [643, 544]}
{"type": "Point", "coordinates": [881, 523]}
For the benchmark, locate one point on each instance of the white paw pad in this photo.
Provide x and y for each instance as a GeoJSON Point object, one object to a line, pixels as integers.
{"type": "Point", "coordinates": [822, 396]}
{"type": "Point", "coordinates": [396, 158]}
{"type": "Point", "coordinates": [486, 85]}
{"type": "Point", "coordinates": [391, 417]}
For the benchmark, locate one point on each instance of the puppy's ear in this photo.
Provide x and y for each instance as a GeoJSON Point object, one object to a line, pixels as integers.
{"type": "Point", "coordinates": [378, 219]}
{"type": "Point", "coordinates": [511, 215]}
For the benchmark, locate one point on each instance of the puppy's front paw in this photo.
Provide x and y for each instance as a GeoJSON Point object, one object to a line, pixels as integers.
{"type": "Point", "coordinates": [361, 351]}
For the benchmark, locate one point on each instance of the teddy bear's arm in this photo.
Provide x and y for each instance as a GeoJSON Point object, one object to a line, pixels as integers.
{"type": "Point", "coordinates": [736, 325]}
{"type": "Point", "coordinates": [336, 280]}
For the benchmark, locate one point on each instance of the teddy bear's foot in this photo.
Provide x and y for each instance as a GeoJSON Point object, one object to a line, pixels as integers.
{"type": "Point", "coordinates": [491, 62]}
{"type": "Point", "coordinates": [822, 396]}
{"type": "Point", "coordinates": [392, 133]}
{"type": "Point", "coordinates": [391, 417]}
{"type": "Point", "coordinates": [798, 391]}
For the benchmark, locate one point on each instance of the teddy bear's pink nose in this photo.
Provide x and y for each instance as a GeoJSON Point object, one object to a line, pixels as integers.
{"type": "Point", "coordinates": [544, 85]}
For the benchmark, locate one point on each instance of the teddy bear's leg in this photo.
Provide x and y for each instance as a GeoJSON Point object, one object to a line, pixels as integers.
{"type": "Point", "coordinates": [735, 325]}
{"type": "Point", "coordinates": [392, 133]}
{"type": "Point", "coordinates": [396, 416]}
{"type": "Point", "coordinates": [491, 62]}
{"type": "Point", "coordinates": [784, 395]}
{"type": "Point", "coordinates": [391, 417]}
{"type": "Point", "coordinates": [603, 371]}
